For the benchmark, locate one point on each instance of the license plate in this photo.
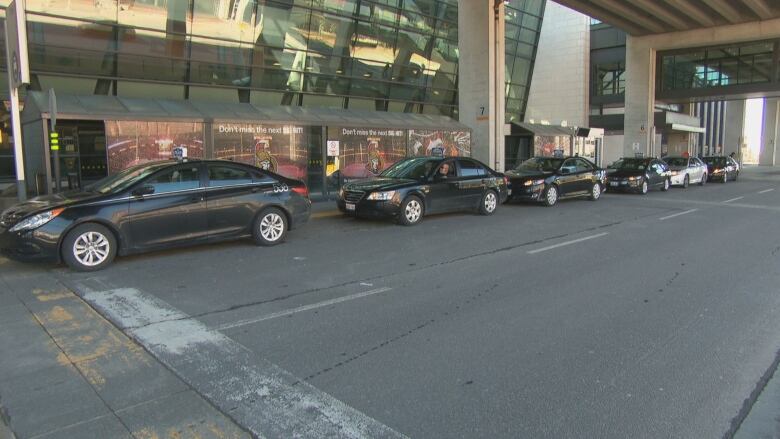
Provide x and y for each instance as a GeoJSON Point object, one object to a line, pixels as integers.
{"type": "Point", "coordinates": [613, 183]}
{"type": "Point", "coordinates": [350, 206]}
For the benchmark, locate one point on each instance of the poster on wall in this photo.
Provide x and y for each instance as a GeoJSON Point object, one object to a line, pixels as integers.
{"type": "Point", "coordinates": [278, 148]}
{"type": "Point", "coordinates": [439, 143]}
{"type": "Point", "coordinates": [552, 146]}
{"type": "Point", "coordinates": [364, 152]}
{"type": "Point", "coordinates": [131, 143]}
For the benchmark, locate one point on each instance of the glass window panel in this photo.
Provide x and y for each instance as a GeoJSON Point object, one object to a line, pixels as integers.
{"type": "Point", "coordinates": [282, 25]}
{"type": "Point", "coordinates": [70, 46]}
{"type": "Point", "coordinates": [331, 35]}
{"type": "Point", "coordinates": [528, 36]}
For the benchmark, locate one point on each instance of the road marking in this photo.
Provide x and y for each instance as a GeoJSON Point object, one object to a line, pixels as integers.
{"type": "Point", "coordinates": [765, 191]}
{"type": "Point", "coordinates": [290, 312]}
{"type": "Point", "coordinates": [574, 241]}
{"type": "Point", "coordinates": [259, 395]}
{"type": "Point", "coordinates": [677, 214]}
{"type": "Point", "coordinates": [733, 199]}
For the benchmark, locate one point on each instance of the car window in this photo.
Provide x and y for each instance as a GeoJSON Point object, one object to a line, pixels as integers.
{"type": "Point", "coordinates": [469, 168]}
{"type": "Point", "coordinates": [583, 166]}
{"type": "Point", "coordinates": [447, 168]}
{"type": "Point", "coordinates": [228, 176]}
{"type": "Point", "coordinates": [570, 164]}
{"type": "Point", "coordinates": [179, 178]}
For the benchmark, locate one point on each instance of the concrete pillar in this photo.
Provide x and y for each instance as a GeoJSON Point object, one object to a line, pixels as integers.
{"type": "Point", "coordinates": [734, 126]}
{"type": "Point", "coordinates": [770, 132]}
{"type": "Point", "coordinates": [639, 130]}
{"type": "Point", "coordinates": [481, 73]}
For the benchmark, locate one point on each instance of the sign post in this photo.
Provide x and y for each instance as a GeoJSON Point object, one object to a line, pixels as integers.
{"type": "Point", "coordinates": [54, 140]}
{"type": "Point", "coordinates": [18, 75]}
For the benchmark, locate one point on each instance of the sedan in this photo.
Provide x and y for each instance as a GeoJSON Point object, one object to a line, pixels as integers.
{"type": "Point", "coordinates": [549, 179]}
{"type": "Point", "coordinates": [722, 168]}
{"type": "Point", "coordinates": [686, 170]}
{"type": "Point", "coordinates": [640, 175]}
{"type": "Point", "coordinates": [419, 186]}
{"type": "Point", "coordinates": [153, 206]}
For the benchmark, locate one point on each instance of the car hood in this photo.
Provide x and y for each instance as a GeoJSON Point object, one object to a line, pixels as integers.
{"type": "Point", "coordinates": [526, 175]}
{"type": "Point", "coordinates": [678, 168]}
{"type": "Point", "coordinates": [378, 183]}
{"type": "Point", "coordinates": [620, 173]}
{"type": "Point", "coordinates": [45, 202]}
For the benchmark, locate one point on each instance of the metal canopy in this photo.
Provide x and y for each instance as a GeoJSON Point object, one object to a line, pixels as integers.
{"type": "Point", "coordinates": [645, 17]}
{"type": "Point", "coordinates": [118, 108]}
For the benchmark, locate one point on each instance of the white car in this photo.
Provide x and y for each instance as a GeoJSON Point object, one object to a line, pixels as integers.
{"type": "Point", "coordinates": [686, 170]}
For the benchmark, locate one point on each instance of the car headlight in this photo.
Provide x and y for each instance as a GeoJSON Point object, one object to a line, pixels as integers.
{"type": "Point", "coordinates": [635, 178]}
{"type": "Point", "coordinates": [717, 171]}
{"type": "Point", "coordinates": [381, 196]}
{"type": "Point", "coordinates": [36, 221]}
{"type": "Point", "coordinates": [675, 173]}
{"type": "Point", "coordinates": [533, 182]}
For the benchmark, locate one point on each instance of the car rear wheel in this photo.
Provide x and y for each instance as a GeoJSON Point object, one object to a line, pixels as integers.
{"type": "Point", "coordinates": [703, 180]}
{"type": "Point", "coordinates": [488, 203]}
{"type": "Point", "coordinates": [89, 247]}
{"type": "Point", "coordinates": [666, 185]}
{"type": "Point", "coordinates": [270, 227]}
{"type": "Point", "coordinates": [411, 211]}
{"type": "Point", "coordinates": [595, 192]}
{"type": "Point", "coordinates": [550, 196]}
{"type": "Point", "coordinates": [686, 182]}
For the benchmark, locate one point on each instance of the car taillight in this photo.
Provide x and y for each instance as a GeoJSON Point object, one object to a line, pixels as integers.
{"type": "Point", "coordinates": [302, 190]}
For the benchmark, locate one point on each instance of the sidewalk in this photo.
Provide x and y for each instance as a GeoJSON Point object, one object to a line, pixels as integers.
{"type": "Point", "coordinates": [65, 372]}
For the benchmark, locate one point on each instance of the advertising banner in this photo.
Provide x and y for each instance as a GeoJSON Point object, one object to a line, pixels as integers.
{"type": "Point", "coordinates": [134, 142]}
{"type": "Point", "coordinates": [550, 146]}
{"type": "Point", "coordinates": [364, 152]}
{"type": "Point", "coordinates": [275, 147]}
{"type": "Point", "coordinates": [439, 143]}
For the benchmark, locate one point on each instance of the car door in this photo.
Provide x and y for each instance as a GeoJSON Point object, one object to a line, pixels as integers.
{"type": "Point", "coordinates": [172, 210]}
{"type": "Point", "coordinates": [585, 174]}
{"type": "Point", "coordinates": [656, 173]}
{"type": "Point", "coordinates": [443, 192]}
{"type": "Point", "coordinates": [567, 178]}
{"type": "Point", "coordinates": [233, 194]}
{"type": "Point", "coordinates": [471, 182]}
{"type": "Point", "coordinates": [694, 170]}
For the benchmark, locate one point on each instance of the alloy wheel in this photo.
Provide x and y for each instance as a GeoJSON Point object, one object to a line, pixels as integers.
{"type": "Point", "coordinates": [413, 211]}
{"type": "Point", "coordinates": [272, 227]}
{"type": "Point", "coordinates": [490, 202]}
{"type": "Point", "coordinates": [91, 248]}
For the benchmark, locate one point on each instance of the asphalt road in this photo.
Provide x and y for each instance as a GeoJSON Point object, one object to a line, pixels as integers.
{"type": "Point", "coordinates": [633, 316]}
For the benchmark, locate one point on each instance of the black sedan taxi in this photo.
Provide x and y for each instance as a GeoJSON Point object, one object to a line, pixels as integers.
{"type": "Point", "coordinates": [721, 168]}
{"type": "Point", "coordinates": [414, 187]}
{"type": "Point", "coordinates": [639, 175]}
{"type": "Point", "coordinates": [549, 179]}
{"type": "Point", "coordinates": [153, 206]}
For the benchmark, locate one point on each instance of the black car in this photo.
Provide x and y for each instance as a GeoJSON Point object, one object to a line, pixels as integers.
{"type": "Point", "coordinates": [721, 168]}
{"type": "Point", "coordinates": [639, 175]}
{"type": "Point", "coordinates": [549, 179]}
{"type": "Point", "coordinates": [153, 206]}
{"type": "Point", "coordinates": [414, 187]}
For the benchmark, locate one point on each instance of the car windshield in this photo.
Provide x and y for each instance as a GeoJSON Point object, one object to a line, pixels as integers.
{"type": "Point", "coordinates": [631, 164]}
{"type": "Point", "coordinates": [124, 179]}
{"type": "Point", "coordinates": [544, 164]}
{"type": "Point", "coordinates": [676, 161]}
{"type": "Point", "coordinates": [715, 161]}
{"type": "Point", "coordinates": [415, 169]}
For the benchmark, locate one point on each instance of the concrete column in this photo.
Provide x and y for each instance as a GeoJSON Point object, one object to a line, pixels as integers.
{"type": "Point", "coordinates": [481, 101]}
{"type": "Point", "coordinates": [640, 98]}
{"type": "Point", "coordinates": [734, 126]}
{"type": "Point", "coordinates": [770, 132]}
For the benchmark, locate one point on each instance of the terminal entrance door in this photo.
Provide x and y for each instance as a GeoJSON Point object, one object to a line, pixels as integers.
{"type": "Point", "coordinates": [82, 153]}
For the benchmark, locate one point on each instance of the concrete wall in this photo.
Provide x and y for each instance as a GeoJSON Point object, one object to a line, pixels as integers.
{"type": "Point", "coordinates": [734, 125]}
{"type": "Point", "coordinates": [613, 148]}
{"type": "Point", "coordinates": [559, 86]}
{"type": "Point", "coordinates": [770, 132]}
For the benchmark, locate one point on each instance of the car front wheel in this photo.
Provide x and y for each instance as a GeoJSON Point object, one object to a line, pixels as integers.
{"type": "Point", "coordinates": [643, 189]}
{"type": "Point", "coordinates": [666, 185]}
{"type": "Point", "coordinates": [411, 211]}
{"type": "Point", "coordinates": [270, 227]}
{"type": "Point", "coordinates": [686, 182]}
{"type": "Point", "coordinates": [89, 247]}
{"type": "Point", "coordinates": [703, 180]}
{"type": "Point", "coordinates": [550, 196]}
{"type": "Point", "coordinates": [595, 192]}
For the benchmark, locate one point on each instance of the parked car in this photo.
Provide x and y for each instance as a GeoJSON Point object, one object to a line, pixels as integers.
{"type": "Point", "coordinates": [722, 168]}
{"type": "Point", "coordinates": [153, 206]}
{"type": "Point", "coordinates": [640, 175]}
{"type": "Point", "coordinates": [419, 186]}
{"type": "Point", "coordinates": [686, 170]}
{"type": "Point", "coordinates": [549, 179]}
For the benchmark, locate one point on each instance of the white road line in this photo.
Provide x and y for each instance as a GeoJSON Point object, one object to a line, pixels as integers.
{"type": "Point", "coordinates": [663, 218]}
{"type": "Point", "coordinates": [733, 199]}
{"type": "Point", "coordinates": [574, 241]}
{"type": "Point", "coordinates": [765, 191]}
{"type": "Point", "coordinates": [262, 397]}
{"type": "Point", "coordinates": [301, 309]}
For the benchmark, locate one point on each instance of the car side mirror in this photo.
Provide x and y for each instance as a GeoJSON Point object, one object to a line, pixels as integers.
{"type": "Point", "coordinates": [146, 189]}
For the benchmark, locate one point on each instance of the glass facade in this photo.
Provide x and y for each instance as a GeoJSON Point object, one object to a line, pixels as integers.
{"type": "Point", "coordinates": [732, 65]}
{"type": "Point", "coordinates": [372, 55]}
{"type": "Point", "coordinates": [523, 26]}
{"type": "Point", "coordinates": [609, 79]}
